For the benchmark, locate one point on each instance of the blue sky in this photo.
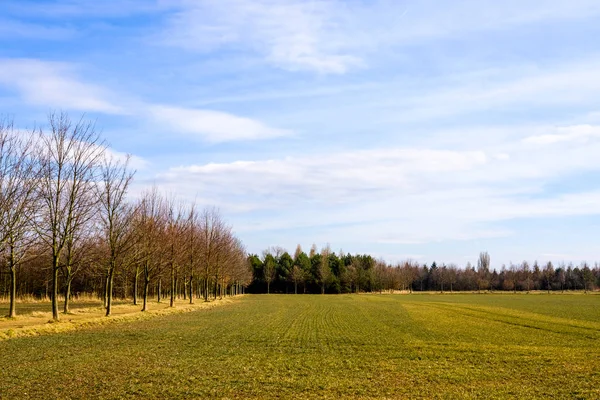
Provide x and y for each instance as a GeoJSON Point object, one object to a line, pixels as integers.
{"type": "Point", "coordinates": [429, 130]}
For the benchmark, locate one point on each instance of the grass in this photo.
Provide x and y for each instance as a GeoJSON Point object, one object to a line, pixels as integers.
{"type": "Point", "coordinates": [36, 320]}
{"type": "Point", "coordinates": [305, 346]}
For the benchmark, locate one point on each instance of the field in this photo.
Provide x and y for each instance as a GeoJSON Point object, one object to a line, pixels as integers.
{"type": "Point", "coordinates": [312, 346]}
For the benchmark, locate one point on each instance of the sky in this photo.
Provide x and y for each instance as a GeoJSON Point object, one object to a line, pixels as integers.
{"type": "Point", "coordinates": [406, 129]}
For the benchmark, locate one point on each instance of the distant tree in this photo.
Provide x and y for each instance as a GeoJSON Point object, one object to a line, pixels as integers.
{"type": "Point", "coordinates": [483, 271]}
{"type": "Point", "coordinates": [324, 269]}
{"type": "Point", "coordinates": [192, 248]}
{"type": "Point", "coordinates": [296, 275]}
{"type": "Point", "coordinates": [284, 268]}
{"type": "Point", "coordinates": [212, 228]}
{"type": "Point", "coordinates": [513, 276]}
{"type": "Point", "coordinates": [452, 273]}
{"type": "Point", "coordinates": [548, 275]}
{"type": "Point", "coordinates": [269, 270]}
{"type": "Point", "coordinates": [313, 251]}
{"type": "Point", "coordinates": [536, 275]}
{"type": "Point", "coordinates": [561, 276]}
{"type": "Point", "coordinates": [526, 271]}
{"type": "Point", "coordinates": [149, 225]}
{"type": "Point", "coordinates": [423, 274]}
{"type": "Point", "coordinates": [174, 239]}
{"type": "Point", "coordinates": [297, 252]}
{"type": "Point", "coordinates": [587, 277]}
{"type": "Point", "coordinates": [302, 261]}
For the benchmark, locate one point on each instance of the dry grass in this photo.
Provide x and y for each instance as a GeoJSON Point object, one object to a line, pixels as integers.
{"type": "Point", "coordinates": [38, 323]}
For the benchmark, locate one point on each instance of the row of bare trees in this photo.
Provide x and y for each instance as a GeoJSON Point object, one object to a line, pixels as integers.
{"type": "Point", "coordinates": [64, 210]}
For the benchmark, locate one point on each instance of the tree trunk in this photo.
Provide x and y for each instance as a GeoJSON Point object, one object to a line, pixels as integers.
{"type": "Point", "coordinates": [206, 288]}
{"type": "Point", "coordinates": [159, 288]}
{"type": "Point", "coordinates": [69, 279]}
{"type": "Point", "coordinates": [12, 313]}
{"type": "Point", "coordinates": [295, 287]}
{"type": "Point", "coordinates": [105, 293]}
{"type": "Point", "coordinates": [145, 302]}
{"type": "Point", "coordinates": [268, 287]}
{"type": "Point", "coordinates": [109, 290]}
{"type": "Point", "coordinates": [172, 300]}
{"type": "Point", "coordinates": [54, 292]}
{"type": "Point", "coordinates": [135, 289]}
{"type": "Point", "coordinates": [191, 288]}
{"type": "Point", "coordinates": [146, 284]}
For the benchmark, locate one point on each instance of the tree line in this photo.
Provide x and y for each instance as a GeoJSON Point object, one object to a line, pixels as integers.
{"type": "Point", "coordinates": [324, 271]}
{"type": "Point", "coordinates": [67, 226]}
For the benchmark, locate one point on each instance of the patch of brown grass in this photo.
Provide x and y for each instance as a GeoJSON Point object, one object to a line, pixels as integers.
{"type": "Point", "coordinates": [40, 323]}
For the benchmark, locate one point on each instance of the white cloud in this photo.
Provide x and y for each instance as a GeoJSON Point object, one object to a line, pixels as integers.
{"type": "Point", "coordinates": [576, 83]}
{"type": "Point", "coordinates": [330, 176]}
{"type": "Point", "coordinates": [292, 34]}
{"type": "Point", "coordinates": [334, 36]}
{"type": "Point", "coordinates": [136, 163]}
{"type": "Point", "coordinates": [396, 196]}
{"type": "Point", "coordinates": [430, 18]}
{"type": "Point", "coordinates": [213, 126]}
{"type": "Point", "coordinates": [53, 84]}
{"type": "Point", "coordinates": [579, 133]}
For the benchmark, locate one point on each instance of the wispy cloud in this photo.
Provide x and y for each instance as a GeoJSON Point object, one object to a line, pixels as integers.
{"type": "Point", "coordinates": [337, 177]}
{"type": "Point", "coordinates": [334, 36]}
{"type": "Point", "coordinates": [213, 126]}
{"type": "Point", "coordinates": [55, 85]}
{"type": "Point", "coordinates": [294, 34]}
{"type": "Point", "coordinates": [399, 196]}
{"type": "Point", "coordinates": [580, 133]}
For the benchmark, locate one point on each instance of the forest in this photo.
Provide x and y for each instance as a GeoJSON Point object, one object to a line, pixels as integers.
{"type": "Point", "coordinates": [67, 227]}
{"type": "Point", "coordinates": [327, 272]}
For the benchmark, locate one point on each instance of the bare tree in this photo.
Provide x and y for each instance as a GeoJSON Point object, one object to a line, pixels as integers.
{"type": "Point", "coordinates": [149, 226]}
{"type": "Point", "coordinates": [548, 274]}
{"type": "Point", "coordinates": [116, 216]}
{"type": "Point", "coordinates": [526, 274]}
{"type": "Point", "coordinates": [174, 239]}
{"type": "Point", "coordinates": [211, 228]}
{"type": "Point", "coordinates": [483, 270]}
{"type": "Point", "coordinates": [192, 235]}
{"type": "Point", "coordinates": [18, 173]}
{"type": "Point", "coordinates": [69, 155]}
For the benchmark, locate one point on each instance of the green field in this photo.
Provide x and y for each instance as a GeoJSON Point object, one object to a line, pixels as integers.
{"type": "Point", "coordinates": [312, 346]}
